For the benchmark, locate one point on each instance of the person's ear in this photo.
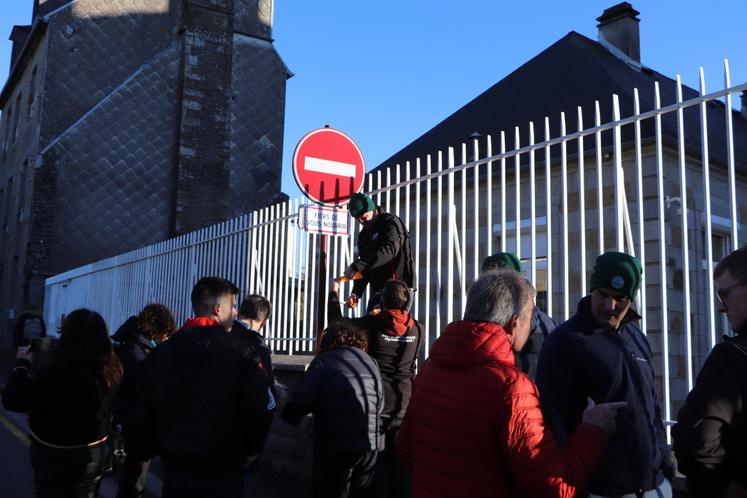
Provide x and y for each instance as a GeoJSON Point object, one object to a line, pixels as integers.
{"type": "Point", "coordinates": [216, 309]}
{"type": "Point", "coordinates": [512, 325]}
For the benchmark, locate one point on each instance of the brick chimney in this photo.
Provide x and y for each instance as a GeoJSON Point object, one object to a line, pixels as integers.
{"type": "Point", "coordinates": [618, 28]}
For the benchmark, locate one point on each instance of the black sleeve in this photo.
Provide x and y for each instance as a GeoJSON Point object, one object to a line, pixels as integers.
{"type": "Point", "coordinates": [555, 382]}
{"type": "Point", "coordinates": [387, 247]}
{"type": "Point", "coordinates": [305, 396]}
{"type": "Point", "coordinates": [17, 395]}
{"type": "Point", "coordinates": [258, 401]}
{"type": "Point", "coordinates": [705, 419]}
{"type": "Point", "coordinates": [334, 313]}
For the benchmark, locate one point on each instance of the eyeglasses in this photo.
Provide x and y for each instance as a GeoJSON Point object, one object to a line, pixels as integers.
{"type": "Point", "coordinates": [723, 294]}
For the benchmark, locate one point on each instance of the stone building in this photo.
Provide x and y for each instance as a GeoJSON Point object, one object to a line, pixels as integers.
{"type": "Point", "coordinates": [126, 122]}
{"type": "Point", "coordinates": [575, 72]}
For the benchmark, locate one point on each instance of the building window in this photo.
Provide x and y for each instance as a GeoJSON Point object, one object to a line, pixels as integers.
{"type": "Point", "coordinates": [17, 115]}
{"type": "Point", "coordinates": [9, 118]}
{"type": "Point", "coordinates": [32, 92]}
{"type": "Point", "coordinates": [9, 194]}
{"type": "Point", "coordinates": [22, 191]}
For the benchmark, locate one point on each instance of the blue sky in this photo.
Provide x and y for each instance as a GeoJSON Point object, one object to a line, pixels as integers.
{"type": "Point", "coordinates": [385, 72]}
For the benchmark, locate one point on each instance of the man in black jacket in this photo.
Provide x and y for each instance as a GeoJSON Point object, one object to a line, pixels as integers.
{"type": "Point", "coordinates": [710, 438]}
{"type": "Point", "coordinates": [384, 251]}
{"type": "Point", "coordinates": [254, 312]}
{"type": "Point", "coordinates": [542, 324]}
{"type": "Point", "coordinates": [206, 407]}
{"type": "Point", "coordinates": [394, 340]}
{"type": "Point", "coordinates": [600, 353]}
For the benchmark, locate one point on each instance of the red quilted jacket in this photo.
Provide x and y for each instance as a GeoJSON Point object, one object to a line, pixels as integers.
{"type": "Point", "coordinates": [474, 426]}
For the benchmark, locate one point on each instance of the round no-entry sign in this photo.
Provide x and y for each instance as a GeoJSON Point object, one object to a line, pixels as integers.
{"type": "Point", "coordinates": [328, 166]}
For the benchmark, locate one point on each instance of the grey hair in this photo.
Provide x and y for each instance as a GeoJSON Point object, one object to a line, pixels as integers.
{"type": "Point", "coordinates": [497, 296]}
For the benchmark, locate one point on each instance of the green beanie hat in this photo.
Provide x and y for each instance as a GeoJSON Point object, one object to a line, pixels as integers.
{"type": "Point", "coordinates": [359, 204]}
{"type": "Point", "coordinates": [501, 260]}
{"type": "Point", "coordinates": [617, 271]}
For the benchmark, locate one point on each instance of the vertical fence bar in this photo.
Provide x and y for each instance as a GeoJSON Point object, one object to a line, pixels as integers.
{"type": "Point", "coordinates": [503, 192]}
{"type": "Point", "coordinates": [685, 234]}
{"type": "Point", "coordinates": [450, 241]}
{"type": "Point", "coordinates": [705, 159]}
{"type": "Point", "coordinates": [517, 199]}
{"type": "Point", "coordinates": [662, 263]}
{"type": "Point", "coordinates": [548, 214]}
{"type": "Point", "coordinates": [416, 279]}
{"type": "Point", "coordinates": [462, 232]}
{"type": "Point", "coordinates": [730, 160]}
{"type": "Point", "coordinates": [600, 179]}
{"type": "Point", "coordinates": [564, 203]}
{"type": "Point", "coordinates": [476, 211]}
{"type": "Point", "coordinates": [397, 190]}
{"type": "Point", "coordinates": [641, 220]}
{"type": "Point", "coordinates": [426, 297]}
{"type": "Point", "coordinates": [582, 200]}
{"type": "Point", "coordinates": [532, 209]}
{"type": "Point", "coordinates": [388, 192]}
{"type": "Point", "coordinates": [619, 178]}
{"type": "Point", "coordinates": [313, 291]}
{"type": "Point", "coordinates": [489, 198]}
{"type": "Point", "coordinates": [439, 244]}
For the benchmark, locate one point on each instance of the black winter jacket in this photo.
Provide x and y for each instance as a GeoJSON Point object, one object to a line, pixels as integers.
{"type": "Point", "coordinates": [579, 360]}
{"type": "Point", "coordinates": [384, 253]}
{"type": "Point", "coordinates": [342, 388]}
{"type": "Point", "coordinates": [132, 348]}
{"type": "Point", "coordinates": [528, 358]}
{"type": "Point", "coordinates": [257, 342]}
{"type": "Point", "coordinates": [710, 438]}
{"type": "Point", "coordinates": [394, 340]}
{"type": "Point", "coordinates": [67, 405]}
{"type": "Point", "coordinates": [206, 408]}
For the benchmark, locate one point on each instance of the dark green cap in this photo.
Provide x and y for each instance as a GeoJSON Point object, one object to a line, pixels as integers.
{"type": "Point", "coordinates": [617, 271]}
{"type": "Point", "coordinates": [359, 204]}
{"type": "Point", "coordinates": [501, 260]}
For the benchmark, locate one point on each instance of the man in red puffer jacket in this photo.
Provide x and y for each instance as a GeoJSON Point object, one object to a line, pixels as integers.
{"type": "Point", "coordinates": [474, 425]}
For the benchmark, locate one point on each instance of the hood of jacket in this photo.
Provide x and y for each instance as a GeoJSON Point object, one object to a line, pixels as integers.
{"type": "Point", "coordinates": [395, 322]}
{"type": "Point", "coordinates": [129, 333]}
{"type": "Point", "coordinates": [465, 344]}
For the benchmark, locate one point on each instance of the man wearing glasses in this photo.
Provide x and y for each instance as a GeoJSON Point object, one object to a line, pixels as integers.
{"type": "Point", "coordinates": [710, 438]}
{"type": "Point", "coordinates": [600, 353]}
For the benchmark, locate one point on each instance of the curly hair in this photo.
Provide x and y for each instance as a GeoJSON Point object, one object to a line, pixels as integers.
{"type": "Point", "coordinates": [343, 334]}
{"type": "Point", "coordinates": [156, 322]}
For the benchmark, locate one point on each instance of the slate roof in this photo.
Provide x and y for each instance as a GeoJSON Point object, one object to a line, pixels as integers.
{"type": "Point", "coordinates": [575, 71]}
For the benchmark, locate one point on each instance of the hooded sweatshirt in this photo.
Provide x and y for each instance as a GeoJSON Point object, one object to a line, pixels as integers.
{"type": "Point", "coordinates": [394, 339]}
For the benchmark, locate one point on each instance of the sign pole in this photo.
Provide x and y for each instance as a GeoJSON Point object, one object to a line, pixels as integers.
{"type": "Point", "coordinates": [322, 310]}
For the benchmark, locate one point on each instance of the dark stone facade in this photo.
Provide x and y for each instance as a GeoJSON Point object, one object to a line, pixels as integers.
{"type": "Point", "coordinates": [149, 118]}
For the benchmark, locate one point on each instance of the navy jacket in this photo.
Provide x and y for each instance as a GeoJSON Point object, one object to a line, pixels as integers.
{"type": "Point", "coordinates": [528, 358]}
{"type": "Point", "coordinates": [205, 408]}
{"type": "Point", "coordinates": [581, 359]}
{"type": "Point", "coordinates": [342, 388]}
{"type": "Point", "coordinates": [132, 348]}
{"type": "Point", "coordinates": [256, 341]}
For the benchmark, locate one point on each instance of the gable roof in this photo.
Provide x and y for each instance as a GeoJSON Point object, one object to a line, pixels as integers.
{"type": "Point", "coordinates": [575, 71]}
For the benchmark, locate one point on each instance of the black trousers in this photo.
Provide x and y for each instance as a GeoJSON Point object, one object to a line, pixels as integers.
{"type": "Point", "coordinates": [132, 478]}
{"type": "Point", "coordinates": [391, 480]}
{"type": "Point", "coordinates": [347, 475]}
{"type": "Point", "coordinates": [67, 473]}
{"type": "Point", "coordinates": [182, 485]}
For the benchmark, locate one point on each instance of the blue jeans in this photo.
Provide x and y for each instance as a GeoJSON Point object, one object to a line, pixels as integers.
{"type": "Point", "coordinates": [663, 490]}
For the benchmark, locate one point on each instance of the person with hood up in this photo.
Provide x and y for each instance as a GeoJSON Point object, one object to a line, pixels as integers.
{"type": "Point", "coordinates": [710, 438]}
{"type": "Point", "coordinates": [474, 425]}
{"type": "Point", "coordinates": [394, 340]}
{"type": "Point", "coordinates": [542, 325]}
{"type": "Point", "coordinates": [205, 406]}
{"type": "Point", "coordinates": [384, 251]}
{"type": "Point", "coordinates": [133, 341]}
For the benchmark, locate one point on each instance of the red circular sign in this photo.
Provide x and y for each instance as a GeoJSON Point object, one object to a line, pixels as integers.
{"type": "Point", "coordinates": [328, 166]}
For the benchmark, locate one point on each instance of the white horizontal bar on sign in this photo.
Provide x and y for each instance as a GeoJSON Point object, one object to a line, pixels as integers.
{"type": "Point", "coordinates": [329, 167]}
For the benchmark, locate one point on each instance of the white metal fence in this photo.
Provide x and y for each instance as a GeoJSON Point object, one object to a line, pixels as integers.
{"type": "Point", "coordinates": [557, 210]}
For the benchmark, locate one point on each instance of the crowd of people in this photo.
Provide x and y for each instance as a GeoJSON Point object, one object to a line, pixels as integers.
{"type": "Point", "coordinates": [506, 404]}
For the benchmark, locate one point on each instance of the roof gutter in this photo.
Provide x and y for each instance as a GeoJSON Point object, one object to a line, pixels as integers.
{"type": "Point", "coordinates": [37, 33]}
